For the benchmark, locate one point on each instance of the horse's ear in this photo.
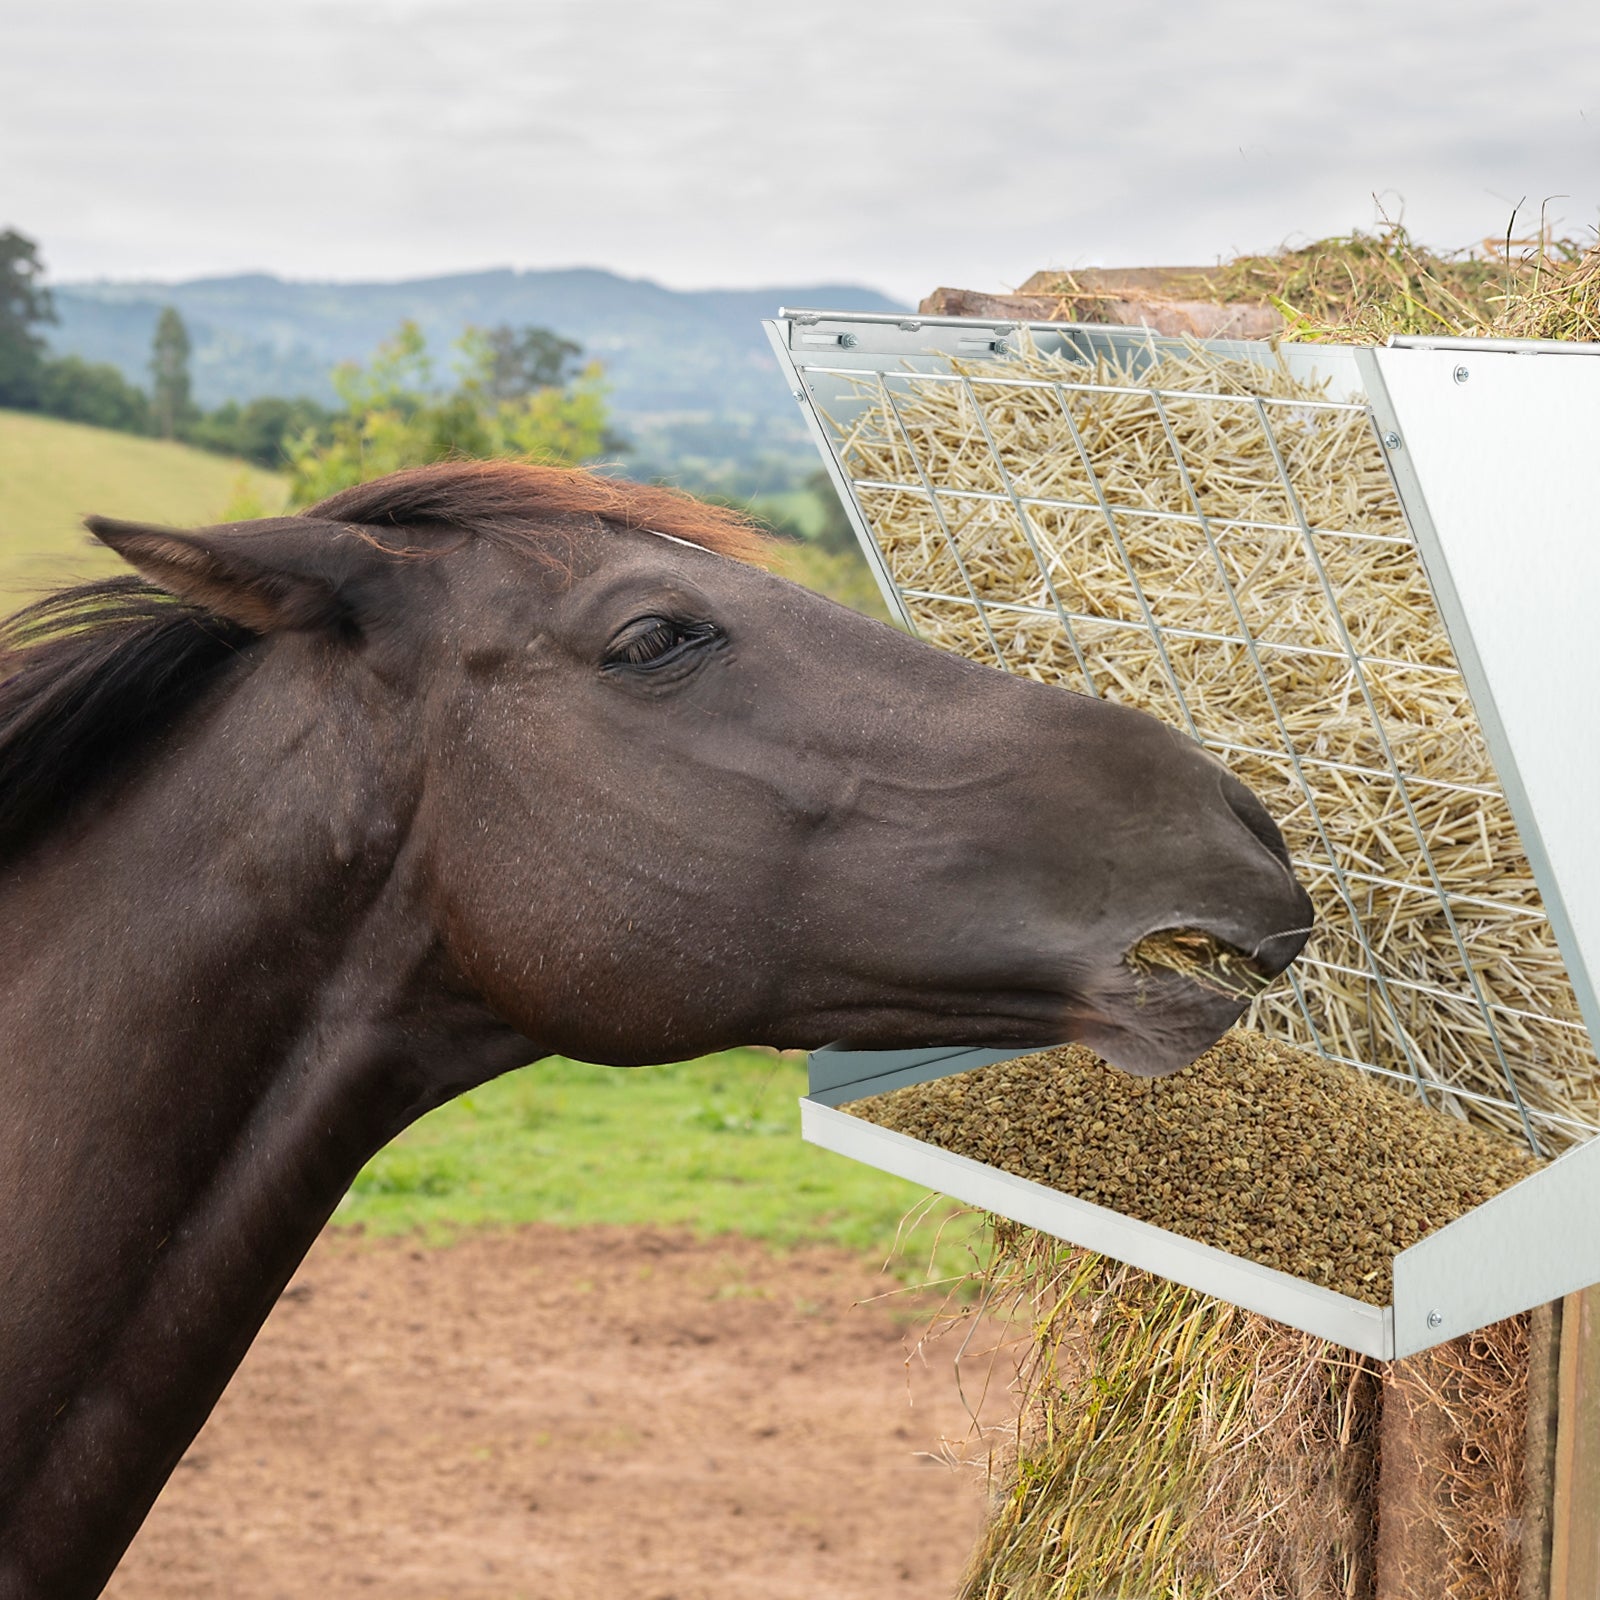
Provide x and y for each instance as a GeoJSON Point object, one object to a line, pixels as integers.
{"type": "Point", "coordinates": [279, 574]}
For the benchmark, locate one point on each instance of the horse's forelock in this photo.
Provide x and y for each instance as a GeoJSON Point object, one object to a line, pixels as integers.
{"type": "Point", "coordinates": [514, 502]}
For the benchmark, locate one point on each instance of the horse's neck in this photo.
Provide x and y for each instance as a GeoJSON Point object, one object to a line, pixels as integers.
{"type": "Point", "coordinates": [209, 1016]}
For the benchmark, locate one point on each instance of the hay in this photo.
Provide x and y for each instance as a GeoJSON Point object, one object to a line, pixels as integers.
{"type": "Point", "coordinates": [1560, 299]}
{"type": "Point", "coordinates": [1362, 287]}
{"type": "Point", "coordinates": [1173, 1446]}
{"type": "Point", "coordinates": [1468, 1412]}
{"type": "Point", "coordinates": [1170, 1445]}
{"type": "Point", "coordinates": [1359, 288]}
{"type": "Point", "coordinates": [1074, 502]}
{"type": "Point", "coordinates": [1194, 954]}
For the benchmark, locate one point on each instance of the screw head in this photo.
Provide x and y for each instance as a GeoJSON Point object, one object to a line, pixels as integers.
{"type": "Point", "coordinates": [1391, 440]}
{"type": "Point", "coordinates": [848, 341]}
{"type": "Point", "coordinates": [1461, 374]}
{"type": "Point", "coordinates": [1435, 1319]}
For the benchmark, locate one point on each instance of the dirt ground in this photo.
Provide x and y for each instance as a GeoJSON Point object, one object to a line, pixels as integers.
{"type": "Point", "coordinates": [610, 1414]}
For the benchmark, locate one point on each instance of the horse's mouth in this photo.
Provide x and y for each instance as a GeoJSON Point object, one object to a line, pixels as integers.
{"type": "Point", "coordinates": [1171, 997]}
{"type": "Point", "coordinates": [1176, 992]}
{"type": "Point", "coordinates": [1163, 1023]}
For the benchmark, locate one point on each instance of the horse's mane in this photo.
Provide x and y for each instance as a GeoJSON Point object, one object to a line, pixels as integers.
{"type": "Point", "coordinates": [507, 501]}
{"type": "Point", "coordinates": [89, 673]}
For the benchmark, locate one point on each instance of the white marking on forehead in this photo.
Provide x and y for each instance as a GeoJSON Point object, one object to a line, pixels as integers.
{"type": "Point", "coordinates": [672, 538]}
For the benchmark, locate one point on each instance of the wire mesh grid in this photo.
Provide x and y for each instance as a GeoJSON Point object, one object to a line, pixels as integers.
{"type": "Point", "coordinates": [1217, 541]}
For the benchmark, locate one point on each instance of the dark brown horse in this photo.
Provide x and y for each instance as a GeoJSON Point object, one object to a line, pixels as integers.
{"type": "Point", "coordinates": [324, 819]}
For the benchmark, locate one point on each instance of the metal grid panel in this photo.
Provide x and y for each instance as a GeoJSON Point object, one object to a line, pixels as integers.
{"type": "Point", "coordinates": [1221, 543]}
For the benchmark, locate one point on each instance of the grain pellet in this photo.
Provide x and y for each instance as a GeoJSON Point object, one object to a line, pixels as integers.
{"type": "Point", "coordinates": [1258, 1149]}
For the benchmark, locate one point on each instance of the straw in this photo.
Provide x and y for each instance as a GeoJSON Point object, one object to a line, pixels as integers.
{"type": "Point", "coordinates": [1043, 514]}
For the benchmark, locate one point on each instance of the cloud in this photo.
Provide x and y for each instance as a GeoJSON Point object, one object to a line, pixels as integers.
{"type": "Point", "coordinates": [712, 142]}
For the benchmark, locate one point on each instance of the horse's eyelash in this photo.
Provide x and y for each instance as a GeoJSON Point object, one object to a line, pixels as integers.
{"type": "Point", "coordinates": [652, 643]}
{"type": "Point", "coordinates": [658, 641]}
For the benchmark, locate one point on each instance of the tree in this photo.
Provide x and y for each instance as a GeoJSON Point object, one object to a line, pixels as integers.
{"type": "Point", "coordinates": [394, 415]}
{"type": "Point", "coordinates": [169, 372]}
{"type": "Point", "coordinates": [261, 430]}
{"type": "Point", "coordinates": [24, 305]}
{"type": "Point", "coordinates": [516, 363]}
{"type": "Point", "coordinates": [92, 392]}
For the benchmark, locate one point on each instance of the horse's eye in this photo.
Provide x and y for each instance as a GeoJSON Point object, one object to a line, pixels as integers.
{"type": "Point", "coordinates": [653, 641]}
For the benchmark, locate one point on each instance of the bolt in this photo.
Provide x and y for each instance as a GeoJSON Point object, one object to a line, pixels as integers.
{"type": "Point", "coordinates": [1391, 440]}
{"type": "Point", "coordinates": [1461, 374]}
{"type": "Point", "coordinates": [848, 341]}
{"type": "Point", "coordinates": [1435, 1319]}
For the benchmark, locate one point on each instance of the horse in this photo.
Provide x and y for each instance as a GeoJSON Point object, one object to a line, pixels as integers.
{"type": "Point", "coordinates": [309, 823]}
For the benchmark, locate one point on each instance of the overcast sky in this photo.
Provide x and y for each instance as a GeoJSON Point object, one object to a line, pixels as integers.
{"type": "Point", "coordinates": [731, 142]}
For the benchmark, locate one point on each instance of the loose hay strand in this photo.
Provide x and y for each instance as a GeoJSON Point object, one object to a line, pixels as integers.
{"type": "Point", "coordinates": [1194, 954]}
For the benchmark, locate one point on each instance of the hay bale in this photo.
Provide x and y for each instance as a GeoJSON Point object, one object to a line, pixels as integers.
{"type": "Point", "coordinates": [1173, 1446]}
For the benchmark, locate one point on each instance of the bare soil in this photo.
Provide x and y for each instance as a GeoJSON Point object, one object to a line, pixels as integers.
{"type": "Point", "coordinates": [558, 1414]}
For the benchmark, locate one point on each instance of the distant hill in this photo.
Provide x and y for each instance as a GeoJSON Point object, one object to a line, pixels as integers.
{"type": "Point", "coordinates": [690, 371]}
{"type": "Point", "coordinates": [52, 473]}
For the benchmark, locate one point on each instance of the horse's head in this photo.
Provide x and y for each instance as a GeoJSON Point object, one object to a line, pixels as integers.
{"type": "Point", "coordinates": [662, 801]}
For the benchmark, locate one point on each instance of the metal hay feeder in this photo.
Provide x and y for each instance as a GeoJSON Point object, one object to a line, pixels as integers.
{"type": "Point", "coordinates": [1490, 466]}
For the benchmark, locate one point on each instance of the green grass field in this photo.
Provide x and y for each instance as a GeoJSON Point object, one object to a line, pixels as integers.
{"type": "Point", "coordinates": [712, 1145]}
{"type": "Point", "coordinates": [53, 473]}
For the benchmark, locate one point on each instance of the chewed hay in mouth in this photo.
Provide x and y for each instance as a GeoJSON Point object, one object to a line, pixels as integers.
{"type": "Point", "coordinates": [1195, 955]}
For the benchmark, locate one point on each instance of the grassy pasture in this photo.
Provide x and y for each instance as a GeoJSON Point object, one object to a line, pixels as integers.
{"type": "Point", "coordinates": [711, 1145]}
{"type": "Point", "coordinates": [52, 473]}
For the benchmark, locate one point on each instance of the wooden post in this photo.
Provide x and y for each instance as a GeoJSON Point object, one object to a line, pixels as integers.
{"type": "Point", "coordinates": [1575, 1497]}
{"type": "Point", "coordinates": [1539, 1458]}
